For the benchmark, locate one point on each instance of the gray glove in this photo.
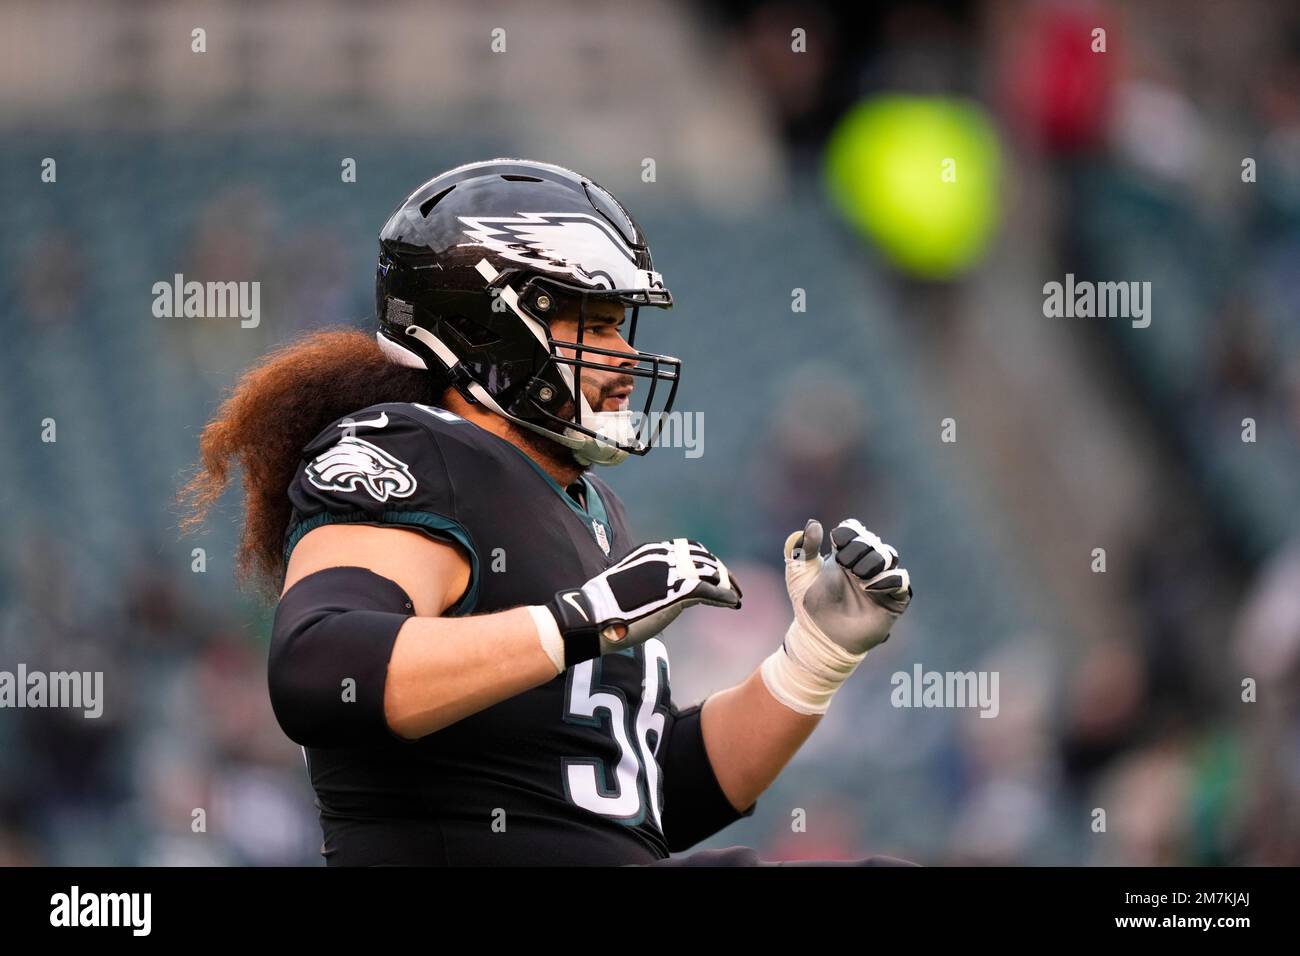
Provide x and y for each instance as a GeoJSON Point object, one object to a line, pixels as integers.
{"type": "Point", "coordinates": [852, 597]}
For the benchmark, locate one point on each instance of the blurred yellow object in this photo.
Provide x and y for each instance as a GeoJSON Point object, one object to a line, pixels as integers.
{"type": "Point", "coordinates": [918, 176]}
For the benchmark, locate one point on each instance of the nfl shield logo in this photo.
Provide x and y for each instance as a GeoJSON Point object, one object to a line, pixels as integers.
{"type": "Point", "coordinates": [601, 538]}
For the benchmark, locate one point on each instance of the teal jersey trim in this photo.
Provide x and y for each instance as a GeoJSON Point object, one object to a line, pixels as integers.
{"type": "Point", "coordinates": [425, 520]}
{"type": "Point", "coordinates": [596, 507]}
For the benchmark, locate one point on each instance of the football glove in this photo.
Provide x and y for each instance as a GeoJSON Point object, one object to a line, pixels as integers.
{"type": "Point", "coordinates": [844, 605]}
{"type": "Point", "coordinates": [633, 600]}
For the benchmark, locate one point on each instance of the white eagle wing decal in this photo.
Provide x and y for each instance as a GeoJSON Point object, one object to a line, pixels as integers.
{"type": "Point", "coordinates": [354, 464]}
{"type": "Point", "coordinates": [570, 243]}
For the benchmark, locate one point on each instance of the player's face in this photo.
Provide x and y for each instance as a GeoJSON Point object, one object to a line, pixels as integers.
{"type": "Point", "coordinates": [606, 391]}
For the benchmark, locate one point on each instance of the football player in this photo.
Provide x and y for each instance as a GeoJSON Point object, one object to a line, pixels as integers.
{"type": "Point", "coordinates": [466, 643]}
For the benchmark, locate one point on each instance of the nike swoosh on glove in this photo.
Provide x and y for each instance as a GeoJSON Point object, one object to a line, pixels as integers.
{"type": "Point", "coordinates": [639, 596]}
{"type": "Point", "coordinates": [852, 597]}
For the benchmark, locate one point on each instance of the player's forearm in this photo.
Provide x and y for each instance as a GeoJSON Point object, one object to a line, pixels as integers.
{"type": "Point", "coordinates": [844, 606]}
{"type": "Point", "coordinates": [750, 737]}
{"type": "Point", "coordinates": [443, 669]}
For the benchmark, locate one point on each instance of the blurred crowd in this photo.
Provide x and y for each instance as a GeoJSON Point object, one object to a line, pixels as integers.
{"type": "Point", "coordinates": [1165, 694]}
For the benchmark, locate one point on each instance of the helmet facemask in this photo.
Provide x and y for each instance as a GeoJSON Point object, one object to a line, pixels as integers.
{"type": "Point", "coordinates": [554, 403]}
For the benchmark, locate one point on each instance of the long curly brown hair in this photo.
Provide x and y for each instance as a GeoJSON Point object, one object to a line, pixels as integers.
{"type": "Point", "coordinates": [272, 412]}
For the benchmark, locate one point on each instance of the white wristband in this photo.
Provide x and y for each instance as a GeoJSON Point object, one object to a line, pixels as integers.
{"type": "Point", "coordinates": [548, 633]}
{"type": "Point", "coordinates": [807, 669]}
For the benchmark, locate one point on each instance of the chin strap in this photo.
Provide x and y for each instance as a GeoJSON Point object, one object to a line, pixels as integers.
{"type": "Point", "coordinates": [614, 428]}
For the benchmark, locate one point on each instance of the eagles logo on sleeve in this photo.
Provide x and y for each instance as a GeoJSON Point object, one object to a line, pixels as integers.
{"type": "Point", "coordinates": [353, 463]}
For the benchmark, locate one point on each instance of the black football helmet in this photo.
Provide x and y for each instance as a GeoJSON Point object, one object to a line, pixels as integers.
{"type": "Point", "coordinates": [473, 267]}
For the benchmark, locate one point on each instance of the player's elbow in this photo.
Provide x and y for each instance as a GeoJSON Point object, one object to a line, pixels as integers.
{"type": "Point", "coordinates": [331, 642]}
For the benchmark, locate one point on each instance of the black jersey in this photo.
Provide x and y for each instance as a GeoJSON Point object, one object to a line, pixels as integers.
{"type": "Point", "coordinates": [599, 765]}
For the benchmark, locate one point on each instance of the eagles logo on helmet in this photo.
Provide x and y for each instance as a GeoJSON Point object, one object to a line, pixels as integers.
{"type": "Point", "coordinates": [472, 268]}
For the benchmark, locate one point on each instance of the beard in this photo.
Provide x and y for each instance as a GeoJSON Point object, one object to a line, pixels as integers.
{"type": "Point", "coordinates": [552, 451]}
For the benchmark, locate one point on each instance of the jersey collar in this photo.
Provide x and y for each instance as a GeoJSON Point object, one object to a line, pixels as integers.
{"type": "Point", "coordinates": [594, 516]}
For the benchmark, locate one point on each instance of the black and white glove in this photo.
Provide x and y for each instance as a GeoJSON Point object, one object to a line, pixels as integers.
{"type": "Point", "coordinates": [844, 605]}
{"type": "Point", "coordinates": [633, 600]}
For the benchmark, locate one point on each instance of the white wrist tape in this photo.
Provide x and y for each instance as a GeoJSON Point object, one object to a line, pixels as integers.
{"type": "Point", "coordinates": [807, 669]}
{"type": "Point", "coordinates": [548, 633]}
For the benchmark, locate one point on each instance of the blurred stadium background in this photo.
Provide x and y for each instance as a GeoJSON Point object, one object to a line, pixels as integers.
{"type": "Point", "coordinates": [1120, 690]}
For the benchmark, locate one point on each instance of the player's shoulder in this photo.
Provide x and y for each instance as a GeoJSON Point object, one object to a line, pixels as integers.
{"type": "Point", "coordinates": [398, 415]}
{"type": "Point", "coordinates": [423, 428]}
{"type": "Point", "coordinates": [384, 465]}
{"type": "Point", "coordinates": [388, 450]}
{"type": "Point", "coordinates": [399, 451]}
